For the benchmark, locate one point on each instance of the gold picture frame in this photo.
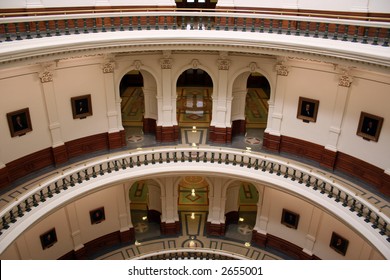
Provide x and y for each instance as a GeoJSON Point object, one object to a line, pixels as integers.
{"type": "Point", "coordinates": [81, 106]}
{"type": "Point", "coordinates": [369, 126]}
{"type": "Point", "coordinates": [308, 109]}
{"type": "Point", "coordinates": [19, 122]}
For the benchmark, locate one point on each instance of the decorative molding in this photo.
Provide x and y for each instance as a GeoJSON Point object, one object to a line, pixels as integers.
{"type": "Point", "coordinates": [195, 64]}
{"type": "Point", "coordinates": [46, 76]}
{"type": "Point", "coordinates": [166, 63]}
{"type": "Point", "coordinates": [345, 80]}
{"type": "Point", "coordinates": [108, 67]}
{"type": "Point", "coordinates": [252, 67]}
{"type": "Point", "coordinates": [137, 64]}
{"type": "Point", "coordinates": [223, 64]}
{"type": "Point", "coordinates": [281, 69]}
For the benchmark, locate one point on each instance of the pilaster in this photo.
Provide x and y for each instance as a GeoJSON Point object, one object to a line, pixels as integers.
{"type": "Point", "coordinates": [310, 238]}
{"type": "Point", "coordinates": [330, 152]}
{"type": "Point", "coordinates": [75, 230]}
{"type": "Point", "coordinates": [124, 216]}
{"type": "Point", "coordinates": [46, 77]}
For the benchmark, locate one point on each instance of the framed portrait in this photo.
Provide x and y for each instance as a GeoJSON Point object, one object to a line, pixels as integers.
{"type": "Point", "coordinates": [48, 238]}
{"type": "Point", "coordinates": [97, 216]}
{"type": "Point", "coordinates": [81, 106]}
{"type": "Point", "coordinates": [307, 109]}
{"type": "Point", "coordinates": [290, 219]}
{"type": "Point", "coordinates": [339, 244]}
{"type": "Point", "coordinates": [369, 126]}
{"type": "Point", "coordinates": [19, 122]}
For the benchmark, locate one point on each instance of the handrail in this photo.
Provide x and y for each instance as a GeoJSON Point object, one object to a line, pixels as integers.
{"type": "Point", "coordinates": [201, 10]}
{"type": "Point", "coordinates": [20, 28]}
{"type": "Point", "coordinates": [253, 162]}
{"type": "Point", "coordinates": [173, 252]}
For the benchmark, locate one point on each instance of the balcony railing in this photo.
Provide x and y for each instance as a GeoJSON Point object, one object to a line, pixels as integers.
{"type": "Point", "coordinates": [207, 158]}
{"type": "Point", "coordinates": [354, 30]}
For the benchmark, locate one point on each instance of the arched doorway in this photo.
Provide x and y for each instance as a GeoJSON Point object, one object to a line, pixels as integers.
{"type": "Point", "coordinates": [138, 92]}
{"type": "Point", "coordinates": [194, 90]}
{"type": "Point", "coordinates": [251, 92]}
{"type": "Point", "coordinates": [145, 209]}
{"type": "Point", "coordinates": [241, 211]}
{"type": "Point", "coordinates": [193, 205]}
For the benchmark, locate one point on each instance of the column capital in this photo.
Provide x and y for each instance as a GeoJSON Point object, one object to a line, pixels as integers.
{"type": "Point", "coordinates": [47, 73]}
{"type": "Point", "coordinates": [345, 80]}
{"type": "Point", "coordinates": [223, 64]}
{"type": "Point", "coordinates": [281, 69]}
{"type": "Point", "coordinates": [108, 67]}
{"type": "Point", "coordinates": [166, 63]}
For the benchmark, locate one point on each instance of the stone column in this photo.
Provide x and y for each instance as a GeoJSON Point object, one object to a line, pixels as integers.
{"type": "Point", "coordinates": [60, 153]}
{"type": "Point", "coordinates": [330, 152]}
{"type": "Point", "coordinates": [259, 235]}
{"type": "Point", "coordinates": [272, 135]}
{"type": "Point", "coordinates": [169, 216]}
{"type": "Point", "coordinates": [74, 227]}
{"type": "Point", "coordinates": [220, 127]}
{"type": "Point", "coordinates": [167, 129]}
{"type": "Point", "coordinates": [126, 230]}
{"type": "Point", "coordinates": [312, 231]}
{"type": "Point", "coordinates": [216, 218]}
{"type": "Point", "coordinates": [22, 248]}
{"type": "Point", "coordinates": [116, 138]}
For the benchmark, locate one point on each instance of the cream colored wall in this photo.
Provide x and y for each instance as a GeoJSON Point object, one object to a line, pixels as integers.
{"type": "Point", "coordinates": [313, 84]}
{"type": "Point", "coordinates": [75, 81]}
{"type": "Point", "coordinates": [368, 93]}
{"type": "Point", "coordinates": [23, 90]}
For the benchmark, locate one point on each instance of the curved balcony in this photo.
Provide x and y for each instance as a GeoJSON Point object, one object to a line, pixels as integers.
{"type": "Point", "coordinates": [70, 183]}
{"type": "Point", "coordinates": [303, 33]}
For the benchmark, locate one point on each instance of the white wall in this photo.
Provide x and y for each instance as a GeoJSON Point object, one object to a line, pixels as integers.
{"type": "Point", "coordinates": [18, 92]}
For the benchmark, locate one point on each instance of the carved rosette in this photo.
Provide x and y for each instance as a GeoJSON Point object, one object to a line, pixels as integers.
{"type": "Point", "coordinates": [166, 63]}
{"type": "Point", "coordinates": [281, 69]}
{"type": "Point", "coordinates": [46, 76]}
{"type": "Point", "coordinates": [108, 67]}
{"type": "Point", "coordinates": [253, 67]}
{"type": "Point", "coordinates": [137, 64]}
{"type": "Point", "coordinates": [195, 64]}
{"type": "Point", "coordinates": [223, 64]}
{"type": "Point", "coordinates": [345, 80]}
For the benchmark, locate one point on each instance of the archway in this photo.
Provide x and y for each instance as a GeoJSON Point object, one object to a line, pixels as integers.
{"type": "Point", "coordinates": [138, 92]}
{"type": "Point", "coordinates": [145, 209]}
{"type": "Point", "coordinates": [251, 92]}
{"type": "Point", "coordinates": [194, 90]}
{"type": "Point", "coordinates": [241, 211]}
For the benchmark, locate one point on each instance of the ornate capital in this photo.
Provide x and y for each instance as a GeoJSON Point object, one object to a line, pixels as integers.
{"type": "Point", "coordinates": [281, 69]}
{"type": "Point", "coordinates": [345, 80]}
{"type": "Point", "coordinates": [108, 67]}
{"type": "Point", "coordinates": [223, 64]}
{"type": "Point", "coordinates": [166, 63]}
{"type": "Point", "coordinates": [46, 76]}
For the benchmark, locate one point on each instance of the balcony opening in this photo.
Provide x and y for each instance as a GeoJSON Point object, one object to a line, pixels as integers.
{"type": "Point", "coordinates": [194, 104]}
{"type": "Point", "coordinates": [145, 209]}
{"type": "Point", "coordinates": [138, 88]}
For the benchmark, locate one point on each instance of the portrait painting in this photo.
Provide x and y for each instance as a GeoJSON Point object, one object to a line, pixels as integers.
{"type": "Point", "coordinates": [81, 106]}
{"type": "Point", "coordinates": [19, 122]}
{"type": "Point", "coordinates": [369, 126]}
{"type": "Point", "coordinates": [339, 244]}
{"type": "Point", "coordinates": [97, 216]}
{"type": "Point", "coordinates": [307, 109]}
{"type": "Point", "coordinates": [290, 219]}
{"type": "Point", "coordinates": [48, 238]}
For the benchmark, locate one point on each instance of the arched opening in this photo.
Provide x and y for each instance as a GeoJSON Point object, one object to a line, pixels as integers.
{"type": "Point", "coordinates": [204, 4]}
{"type": "Point", "coordinates": [145, 209]}
{"type": "Point", "coordinates": [138, 92]}
{"type": "Point", "coordinates": [194, 89]}
{"type": "Point", "coordinates": [241, 211]}
{"type": "Point", "coordinates": [193, 205]}
{"type": "Point", "coordinates": [251, 92]}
